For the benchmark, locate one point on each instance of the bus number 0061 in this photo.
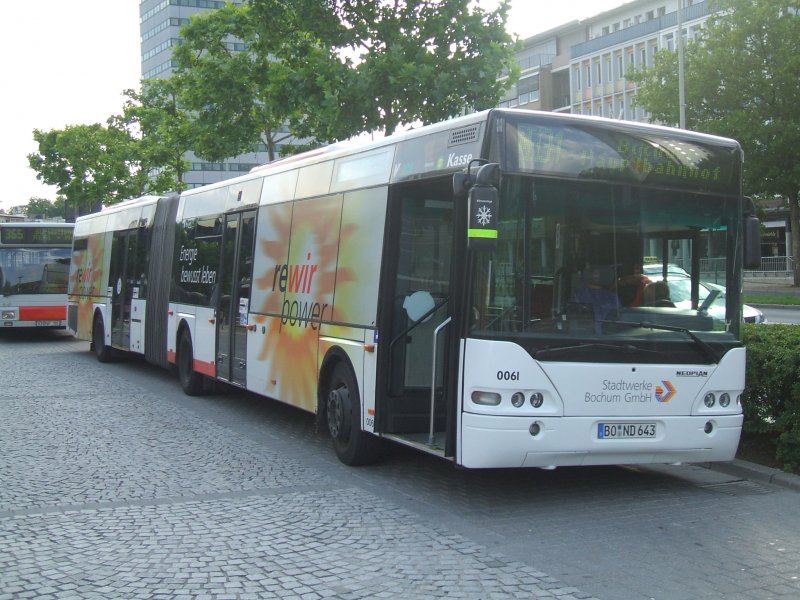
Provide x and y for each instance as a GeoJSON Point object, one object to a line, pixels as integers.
{"type": "Point", "coordinates": [508, 375]}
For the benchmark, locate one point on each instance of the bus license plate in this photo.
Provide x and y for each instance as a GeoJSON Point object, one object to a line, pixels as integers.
{"type": "Point", "coordinates": [48, 323]}
{"type": "Point", "coordinates": [625, 431]}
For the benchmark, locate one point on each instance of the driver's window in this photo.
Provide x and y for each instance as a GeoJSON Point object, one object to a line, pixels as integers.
{"type": "Point", "coordinates": [426, 242]}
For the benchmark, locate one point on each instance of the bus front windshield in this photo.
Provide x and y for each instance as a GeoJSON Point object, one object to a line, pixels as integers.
{"type": "Point", "coordinates": [597, 261]}
{"type": "Point", "coordinates": [38, 270]}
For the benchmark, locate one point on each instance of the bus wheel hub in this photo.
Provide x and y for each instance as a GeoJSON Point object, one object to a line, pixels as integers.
{"type": "Point", "coordinates": [338, 412]}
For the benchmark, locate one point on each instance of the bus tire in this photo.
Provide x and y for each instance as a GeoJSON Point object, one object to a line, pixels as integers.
{"type": "Point", "coordinates": [191, 381]}
{"type": "Point", "coordinates": [101, 351]}
{"type": "Point", "coordinates": [353, 446]}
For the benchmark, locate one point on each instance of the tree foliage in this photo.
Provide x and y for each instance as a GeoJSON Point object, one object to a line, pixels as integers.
{"type": "Point", "coordinates": [239, 98]}
{"type": "Point", "coordinates": [741, 81]}
{"type": "Point", "coordinates": [164, 127]}
{"type": "Point", "coordinates": [335, 68]}
{"type": "Point", "coordinates": [89, 164]}
{"type": "Point", "coordinates": [44, 208]}
{"type": "Point", "coordinates": [424, 60]}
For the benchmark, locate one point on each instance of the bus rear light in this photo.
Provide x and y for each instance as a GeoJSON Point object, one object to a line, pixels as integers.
{"type": "Point", "coordinates": [518, 399]}
{"type": "Point", "coordinates": [486, 398]}
{"type": "Point", "coordinates": [9, 315]}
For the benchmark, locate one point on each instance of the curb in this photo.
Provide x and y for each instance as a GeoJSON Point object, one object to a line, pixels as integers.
{"type": "Point", "coordinates": [760, 473]}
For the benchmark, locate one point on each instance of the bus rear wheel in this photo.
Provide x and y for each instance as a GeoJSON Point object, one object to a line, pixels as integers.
{"type": "Point", "coordinates": [353, 446]}
{"type": "Point", "coordinates": [191, 381]}
{"type": "Point", "coordinates": [101, 351]}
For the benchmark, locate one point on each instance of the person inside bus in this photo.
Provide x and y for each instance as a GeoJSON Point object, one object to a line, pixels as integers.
{"type": "Point", "coordinates": [657, 294]}
{"type": "Point", "coordinates": [631, 287]}
{"type": "Point", "coordinates": [595, 293]}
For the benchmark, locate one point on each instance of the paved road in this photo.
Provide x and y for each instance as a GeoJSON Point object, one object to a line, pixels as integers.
{"type": "Point", "coordinates": [787, 315]}
{"type": "Point", "coordinates": [113, 484]}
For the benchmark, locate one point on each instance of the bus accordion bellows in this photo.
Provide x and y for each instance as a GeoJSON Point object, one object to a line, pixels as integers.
{"type": "Point", "coordinates": [461, 288]}
{"type": "Point", "coordinates": [34, 264]}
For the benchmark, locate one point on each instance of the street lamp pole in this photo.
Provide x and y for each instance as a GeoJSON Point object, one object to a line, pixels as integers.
{"type": "Point", "coordinates": [681, 92]}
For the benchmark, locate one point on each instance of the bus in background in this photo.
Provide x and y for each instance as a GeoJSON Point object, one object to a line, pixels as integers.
{"type": "Point", "coordinates": [34, 264]}
{"type": "Point", "coordinates": [460, 288]}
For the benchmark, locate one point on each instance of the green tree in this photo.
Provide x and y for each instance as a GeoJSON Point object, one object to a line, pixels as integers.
{"type": "Point", "coordinates": [239, 97]}
{"type": "Point", "coordinates": [741, 81]}
{"type": "Point", "coordinates": [44, 208]}
{"type": "Point", "coordinates": [163, 125]}
{"type": "Point", "coordinates": [423, 60]}
{"type": "Point", "coordinates": [89, 164]}
{"type": "Point", "coordinates": [331, 69]}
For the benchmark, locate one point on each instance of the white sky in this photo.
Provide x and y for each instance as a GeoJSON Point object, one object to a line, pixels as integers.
{"type": "Point", "coordinates": [67, 63]}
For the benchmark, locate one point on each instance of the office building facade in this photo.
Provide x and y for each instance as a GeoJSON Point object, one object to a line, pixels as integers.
{"type": "Point", "coordinates": [580, 67]}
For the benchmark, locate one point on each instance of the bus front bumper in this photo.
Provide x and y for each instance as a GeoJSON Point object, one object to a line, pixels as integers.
{"type": "Point", "coordinates": [549, 442]}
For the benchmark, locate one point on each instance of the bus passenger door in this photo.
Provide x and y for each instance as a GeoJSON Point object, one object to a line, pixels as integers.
{"type": "Point", "coordinates": [123, 252]}
{"type": "Point", "coordinates": [421, 244]}
{"type": "Point", "coordinates": [235, 272]}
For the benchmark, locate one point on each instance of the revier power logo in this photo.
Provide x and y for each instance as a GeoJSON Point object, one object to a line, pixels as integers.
{"type": "Point", "coordinates": [665, 393]}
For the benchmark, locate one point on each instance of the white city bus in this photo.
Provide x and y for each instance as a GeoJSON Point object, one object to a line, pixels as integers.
{"type": "Point", "coordinates": [423, 288]}
{"type": "Point", "coordinates": [34, 263]}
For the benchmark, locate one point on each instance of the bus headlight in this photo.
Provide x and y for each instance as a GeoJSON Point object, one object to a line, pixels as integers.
{"type": "Point", "coordinates": [518, 399]}
{"type": "Point", "coordinates": [537, 399]}
{"type": "Point", "coordinates": [724, 400]}
{"type": "Point", "coordinates": [486, 398]}
{"type": "Point", "coordinates": [709, 400]}
{"type": "Point", "coordinates": [10, 315]}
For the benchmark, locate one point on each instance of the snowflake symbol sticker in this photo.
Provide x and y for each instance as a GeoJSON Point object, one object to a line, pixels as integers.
{"type": "Point", "coordinates": [484, 215]}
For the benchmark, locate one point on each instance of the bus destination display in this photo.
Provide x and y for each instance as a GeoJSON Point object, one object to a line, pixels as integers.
{"type": "Point", "coordinates": [585, 151]}
{"type": "Point", "coordinates": [36, 236]}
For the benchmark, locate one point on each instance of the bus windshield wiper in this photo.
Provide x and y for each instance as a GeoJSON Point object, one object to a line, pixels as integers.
{"type": "Point", "coordinates": [707, 350]}
{"type": "Point", "coordinates": [587, 346]}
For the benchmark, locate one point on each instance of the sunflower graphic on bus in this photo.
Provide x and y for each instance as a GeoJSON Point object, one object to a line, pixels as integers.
{"type": "Point", "coordinates": [317, 262]}
{"type": "Point", "coordinates": [87, 278]}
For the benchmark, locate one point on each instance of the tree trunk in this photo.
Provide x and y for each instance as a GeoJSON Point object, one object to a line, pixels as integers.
{"type": "Point", "coordinates": [794, 224]}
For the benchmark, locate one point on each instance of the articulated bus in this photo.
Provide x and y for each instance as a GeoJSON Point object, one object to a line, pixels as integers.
{"type": "Point", "coordinates": [425, 288]}
{"type": "Point", "coordinates": [34, 264]}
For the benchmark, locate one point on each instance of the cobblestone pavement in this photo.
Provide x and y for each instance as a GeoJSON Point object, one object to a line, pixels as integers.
{"type": "Point", "coordinates": [110, 492]}
{"type": "Point", "coordinates": [113, 484]}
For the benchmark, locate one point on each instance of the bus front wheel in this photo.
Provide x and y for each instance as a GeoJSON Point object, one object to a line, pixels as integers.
{"type": "Point", "coordinates": [191, 380]}
{"type": "Point", "coordinates": [353, 446]}
{"type": "Point", "coordinates": [101, 351]}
